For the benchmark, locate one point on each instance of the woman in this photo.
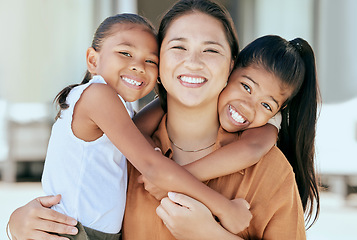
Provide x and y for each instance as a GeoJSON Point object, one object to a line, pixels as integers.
{"type": "Point", "coordinates": [197, 43]}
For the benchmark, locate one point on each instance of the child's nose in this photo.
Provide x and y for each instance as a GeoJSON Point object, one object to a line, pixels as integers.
{"type": "Point", "coordinates": [138, 66]}
{"type": "Point", "coordinates": [247, 108]}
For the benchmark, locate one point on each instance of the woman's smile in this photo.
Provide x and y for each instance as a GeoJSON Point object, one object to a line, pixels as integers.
{"type": "Point", "coordinates": [192, 81]}
{"type": "Point", "coordinates": [195, 60]}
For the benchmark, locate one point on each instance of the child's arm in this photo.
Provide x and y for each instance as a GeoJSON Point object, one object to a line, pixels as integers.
{"type": "Point", "coordinates": [247, 150]}
{"type": "Point", "coordinates": [253, 144]}
{"type": "Point", "coordinates": [103, 109]}
{"type": "Point", "coordinates": [148, 118]}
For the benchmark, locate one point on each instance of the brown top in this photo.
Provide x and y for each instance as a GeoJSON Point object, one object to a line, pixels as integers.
{"type": "Point", "coordinates": [269, 186]}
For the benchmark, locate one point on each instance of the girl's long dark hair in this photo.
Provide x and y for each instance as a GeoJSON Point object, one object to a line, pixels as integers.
{"type": "Point", "coordinates": [210, 8]}
{"type": "Point", "coordinates": [104, 30]}
{"type": "Point", "coordinates": [293, 62]}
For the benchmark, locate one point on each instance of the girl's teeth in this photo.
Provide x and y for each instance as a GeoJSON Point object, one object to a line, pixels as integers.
{"type": "Point", "coordinates": [131, 81]}
{"type": "Point", "coordinates": [235, 115]}
{"type": "Point", "coordinates": [192, 80]}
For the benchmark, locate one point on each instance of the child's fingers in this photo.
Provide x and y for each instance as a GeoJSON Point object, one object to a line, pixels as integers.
{"type": "Point", "coordinates": [242, 201]}
{"type": "Point", "coordinates": [141, 179]}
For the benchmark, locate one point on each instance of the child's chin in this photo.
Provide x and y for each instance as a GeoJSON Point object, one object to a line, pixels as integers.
{"type": "Point", "coordinates": [232, 128]}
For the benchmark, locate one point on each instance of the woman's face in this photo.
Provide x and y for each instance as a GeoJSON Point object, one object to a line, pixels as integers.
{"type": "Point", "coordinates": [195, 59]}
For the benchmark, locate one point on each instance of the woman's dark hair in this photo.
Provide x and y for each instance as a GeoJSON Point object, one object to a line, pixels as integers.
{"type": "Point", "coordinates": [210, 8]}
{"type": "Point", "coordinates": [104, 31]}
{"type": "Point", "coordinates": [293, 62]}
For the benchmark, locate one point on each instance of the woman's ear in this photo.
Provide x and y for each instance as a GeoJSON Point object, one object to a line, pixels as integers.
{"type": "Point", "coordinates": [91, 59]}
{"type": "Point", "coordinates": [231, 66]}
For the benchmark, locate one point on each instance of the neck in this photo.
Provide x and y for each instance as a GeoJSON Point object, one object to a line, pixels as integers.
{"type": "Point", "coordinates": [192, 128]}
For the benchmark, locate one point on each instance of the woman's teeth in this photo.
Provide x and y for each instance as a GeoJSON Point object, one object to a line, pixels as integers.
{"type": "Point", "coordinates": [131, 81]}
{"type": "Point", "coordinates": [236, 116]}
{"type": "Point", "coordinates": [192, 79]}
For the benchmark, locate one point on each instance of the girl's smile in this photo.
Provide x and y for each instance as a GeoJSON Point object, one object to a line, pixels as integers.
{"type": "Point", "coordinates": [128, 61]}
{"type": "Point", "coordinates": [252, 96]}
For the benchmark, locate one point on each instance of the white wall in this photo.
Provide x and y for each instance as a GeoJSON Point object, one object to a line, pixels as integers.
{"type": "Point", "coordinates": [43, 45]}
{"type": "Point", "coordinates": [337, 49]}
{"type": "Point", "coordinates": [289, 19]}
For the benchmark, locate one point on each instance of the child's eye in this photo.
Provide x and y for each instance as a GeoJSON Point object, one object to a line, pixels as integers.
{"type": "Point", "coordinates": [125, 54]}
{"type": "Point", "coordinates": [267, 106]}
{"type": "Point", "coordinates": [151, 61]}
{"type": "Point", "coordinates": [247, 88]}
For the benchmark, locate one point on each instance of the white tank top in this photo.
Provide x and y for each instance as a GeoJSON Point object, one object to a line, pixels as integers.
{"type": "Point", "coordinates": [90, 176]}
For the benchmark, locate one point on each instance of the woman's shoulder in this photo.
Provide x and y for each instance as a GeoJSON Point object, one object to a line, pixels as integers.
{"type": "Point", "coordinates": [275, 166]}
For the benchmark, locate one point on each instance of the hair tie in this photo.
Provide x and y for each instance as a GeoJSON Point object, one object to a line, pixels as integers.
{"type": "Point", "coordinates": [297, 45]}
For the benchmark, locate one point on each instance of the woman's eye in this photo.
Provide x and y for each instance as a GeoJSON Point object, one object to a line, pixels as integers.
{"type": "Point", "coordinates": [125, 54]}
{"type": "Point", "coordinates": [211, 51]}
{"type": "Point", "coordinates": [247, 88]}
{"type": "Point", "coordinates": [178, 47]}
{"type": "Point", "coordinates": [267, 106]}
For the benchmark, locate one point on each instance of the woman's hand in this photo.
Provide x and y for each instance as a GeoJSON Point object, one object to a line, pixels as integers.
{"type": "Point", "coordinates": [155, 191]}
{"type": "Point", "coordinates": [35, 221]}
{"type": "Point", "coordinates": [188, 219]}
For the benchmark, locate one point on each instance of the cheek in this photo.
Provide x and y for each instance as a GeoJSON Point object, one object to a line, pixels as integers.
{"type": "Point", "coordinates": [261, 119]}
{"type": "Point", "coordinates": [154, 72]}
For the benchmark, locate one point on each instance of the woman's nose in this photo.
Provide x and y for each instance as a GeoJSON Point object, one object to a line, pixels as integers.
{"type": "Point", "coordinates": [194, 61]}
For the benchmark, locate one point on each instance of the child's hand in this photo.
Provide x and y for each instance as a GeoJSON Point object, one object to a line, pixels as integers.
{"type": "Point", "coordinates": [238, 216]}
{"type": "Point", "coordinates": [156, 192]}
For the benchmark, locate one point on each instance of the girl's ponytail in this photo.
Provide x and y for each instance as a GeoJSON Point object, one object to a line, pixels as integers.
{"type": "Point", "coordinates": [297, 135]}
{"type": "Point", "coordinates": [61, 97]}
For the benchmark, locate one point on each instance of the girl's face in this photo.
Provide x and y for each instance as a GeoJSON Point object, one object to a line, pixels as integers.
{"type": "Point", "coordinates": [128, 61]}
{"type": "Point", "coordinates": [252, 96]}
{"type": "Point", "coordinates": [195, 59]}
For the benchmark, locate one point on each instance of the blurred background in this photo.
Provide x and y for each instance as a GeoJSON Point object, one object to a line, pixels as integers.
{"type": "Point", "coordinates": [43, 45]}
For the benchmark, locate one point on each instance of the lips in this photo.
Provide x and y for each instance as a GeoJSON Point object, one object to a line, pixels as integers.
{"type": "Point", "coordinates": [132, 82]}
{"type": "Point", "coordinates": [192, 81]}
{"type": "Point", "coordinates": [236, 117]}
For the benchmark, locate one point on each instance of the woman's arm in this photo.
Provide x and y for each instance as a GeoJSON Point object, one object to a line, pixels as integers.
{"type": "Point", "coordinates": [104, 108]}
{"type": "Point", "coordinates": [35, 220]}
{"type": "Point", "coordinates": [188, 219]}
{"type": "Point", "coordinates": [246, 151]}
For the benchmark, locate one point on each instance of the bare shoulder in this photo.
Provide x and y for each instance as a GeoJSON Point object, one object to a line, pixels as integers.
{"type": "Point", "coordinates": [98, 91]}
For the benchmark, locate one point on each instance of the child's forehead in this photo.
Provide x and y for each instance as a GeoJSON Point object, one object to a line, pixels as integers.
{"type": "Point", "coordinates": [119, 27]}
{"type": "Point", "coordinates": [259, 75]}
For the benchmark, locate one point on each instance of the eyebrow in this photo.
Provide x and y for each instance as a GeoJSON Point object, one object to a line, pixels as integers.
{"type": "Point", "coordinates": [125, 43]}
{"type": "Point", "coordinates": [255, 83]}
